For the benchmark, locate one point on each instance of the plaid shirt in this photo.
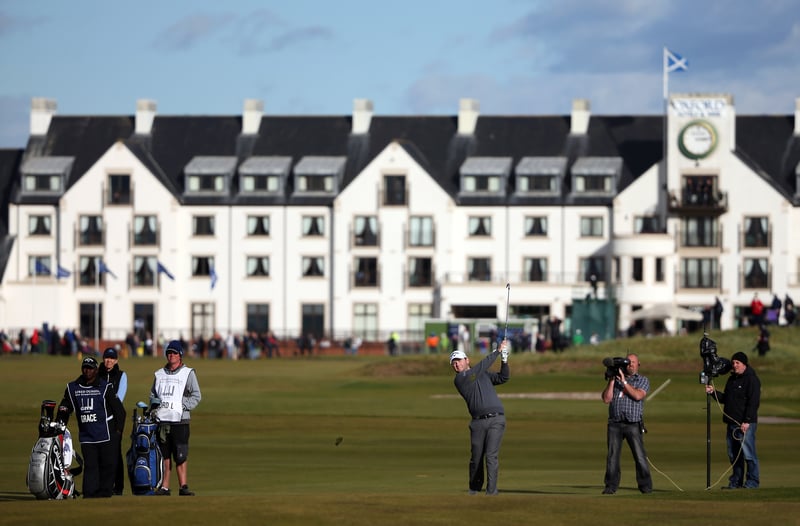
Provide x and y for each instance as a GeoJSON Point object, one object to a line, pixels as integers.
{"type": "Point", "coordinates": [623, 408]}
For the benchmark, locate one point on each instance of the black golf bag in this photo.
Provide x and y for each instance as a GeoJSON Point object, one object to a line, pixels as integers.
{"type": "Point", "coordinates": [145, 462]}
{"type": "Point", "coordinates": [49, 473]}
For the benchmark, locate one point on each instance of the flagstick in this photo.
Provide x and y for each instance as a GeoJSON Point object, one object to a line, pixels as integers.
{"type": "Point", "coordinates": [97, 308]}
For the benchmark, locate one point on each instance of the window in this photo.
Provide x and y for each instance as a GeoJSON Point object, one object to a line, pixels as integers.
{"type": "Point", "coordinates": [313, 226]}
{"type": "Point", "coordinates": [39, 225]}
{"type": "Point", "coordinates": [202, 265]}
{"type": "Point", "coordinates": [365, 320]}
{"type": "Point", "coordinates": [593, 266]}
{"type": "Point", "coordinates": [144, 271]}
{"type": "Point", "coordinates": [257, 225]}
{"type": "Point", "coordinates": [46, 175]}
{"type": "Point", "coordinates": [209, 174]}
{"type": "Point", "coordinates": [91, 230]}
{"type": "Point", "coordinates": [313, 266]}
{"type": "Point", "coordinates": [203, 320]}
{"type": "Point", "coordinates": [535, 226]}
{"type": "Point", "coordinates": [591, 227]}
{"type": "Point", "coordinates": [756, 273]}
{"type": "Point", "coordinates": [479, 269]}
{"type": "Point", "coordinates": [203, 225]}
{"type": "Point", "coordinates": [394, 190]}
{"type": "Point", "coordinates": [315, 183]}
{"type": "Point", "coordinates": [257, 317]}
{"type": "Point", "coordinates": [119, 189]}
{"type": "Point", "coordinates": [258, 266]}
{"type": "Point", "coordinates": [39, 266]}
{"type": "Point", "coordinates": [88, 272]}
{"type": "Point", "coordinates": [319, 174]}
{"type": "Point", "coordinates": [313, 321]}
{"type": "Point", "coordinates": [535, 269]}
{"type": "Point", "coordinates": [366, 272]}
{"type": "Point", "coordinates": [206, 183]}
{"type": "Point", "coordinates": [536, 183]}
{"type": "Point", "coordinates": [699, 273]}
{"type": "Point", "coordinates": [659, 270]}
{"type": "Point", "coordinates": [699, 232]}
{"type": "Point", "coordinates": [261, 183]}
{"type": "Point", "coordinates": [366, 231]}
{"type": "Point", "coordinates": [593, 183]}
{"type": "Point", "coordinates": [145, 230]}
{"type": "Point", "coordinates": [420, 272]}
{"type": "Point", "coordinates": [756, 232]}
{"type": "Point", "coordinates": [637, 272]}
{"type": "Point", "coordinates": [420, 232]}
{"type": "Point", "coordinates": [480, 226]}
{"type": "Point", "coordinates": [646, 225]}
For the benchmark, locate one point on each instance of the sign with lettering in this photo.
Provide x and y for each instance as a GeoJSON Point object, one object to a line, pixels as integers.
{"type": "Point", "coordinates": [700, 107]}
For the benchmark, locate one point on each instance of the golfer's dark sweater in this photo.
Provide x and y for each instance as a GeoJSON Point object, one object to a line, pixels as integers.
{"type": "Point", "coordinates": [476, 385]}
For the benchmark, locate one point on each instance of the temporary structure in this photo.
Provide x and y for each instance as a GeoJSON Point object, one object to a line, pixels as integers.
{"type": "Point", "coordinates": [666, 310]}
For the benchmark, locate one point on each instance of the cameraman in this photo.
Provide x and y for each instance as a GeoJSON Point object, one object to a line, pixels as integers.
{"type": "Point", "coordinates": [624, 395]}
{"type": "Point", "coordinates": [741, 399]}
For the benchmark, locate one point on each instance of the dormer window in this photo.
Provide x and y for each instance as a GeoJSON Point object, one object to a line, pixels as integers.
{"type": "Point", "coordinates": [209, 174]}
{"type": "Point", "coordinates": [540, 175]}
{"type": "Point", "coordinates": [46, 175]}
{"type": "Point", "coordinates": [596, 175]}
{"type": "Point", "coordinates": [485, 175]}
{"type": "Point", "coordinates": [319, 175]}
{"type": "Point", "coordinates": [264, 174]}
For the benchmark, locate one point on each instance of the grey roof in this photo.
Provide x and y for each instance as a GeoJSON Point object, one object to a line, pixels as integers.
{"type": "Point", "coordinates": [320, 165]}
{"type": "Point", "coordinates": [211, 165]}
{"type": "Point", "coordinates": [541, 166]}
{"type": "Point", "coordinates": [597, 166]}
{"type": "Point", "coordinates": [266, 165]}
{"type": "Point", "coordinates": [486, 166]}
{"type": "Point", "coordinates": [51, 165]}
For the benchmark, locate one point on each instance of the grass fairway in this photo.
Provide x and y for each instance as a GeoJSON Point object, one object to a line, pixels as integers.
{"type": "Point", "coordinates": [263, 445]}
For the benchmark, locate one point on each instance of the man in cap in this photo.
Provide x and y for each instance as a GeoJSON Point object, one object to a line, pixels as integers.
{"type": "Point", "coordinates": [476, 386]}
{"type": "Point", "coordinates": [101, 421]}
{"type": "Point", "coordinates": [176, 386]}
{"type": "Point", "coordinates": [741, 399]}
{"type": "Point", "coordinates": [118, 379]}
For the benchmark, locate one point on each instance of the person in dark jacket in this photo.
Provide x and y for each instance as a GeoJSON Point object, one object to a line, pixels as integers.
{"type": "Point", "coordinates": [476, 386]}
{"type": "Point", "coordinates": [111, 373]}
{"type": "Point", "coordinates": [101, 421]}
{"type": "Point", "coordinates": [741, 399]}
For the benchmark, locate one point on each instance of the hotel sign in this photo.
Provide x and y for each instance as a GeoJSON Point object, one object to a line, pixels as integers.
{"type": "Point", "coordinates": [699, 107]}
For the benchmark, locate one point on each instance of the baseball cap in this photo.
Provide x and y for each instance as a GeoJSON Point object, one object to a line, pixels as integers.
{"type": "Point", "coordinates": [174, 346]}
{"type": "Point", "coordinates": [110, 353]}
{"type": "Point", "coordinates": [89, 362]}
{"type": "Point", "coordinates": [457, 355]}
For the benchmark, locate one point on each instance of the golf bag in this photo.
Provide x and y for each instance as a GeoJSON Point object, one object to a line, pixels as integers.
{"type": "Point", "coordinates": [145, 462]}
{"type": "Point", "coordinates": [49, 473]}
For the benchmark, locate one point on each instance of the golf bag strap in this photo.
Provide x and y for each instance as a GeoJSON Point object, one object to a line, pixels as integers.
{"type": "Point", "coordinates": [77, 471]}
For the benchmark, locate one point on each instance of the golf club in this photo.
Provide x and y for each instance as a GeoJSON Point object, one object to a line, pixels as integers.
{"type": "Point", "coordinates": [508, 299]}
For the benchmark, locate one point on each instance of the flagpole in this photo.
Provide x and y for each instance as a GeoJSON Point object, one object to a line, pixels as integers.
{"type": "Point", "coordinates": [97, 308]}
{"type": "Point", "coordinates": [665, 87]}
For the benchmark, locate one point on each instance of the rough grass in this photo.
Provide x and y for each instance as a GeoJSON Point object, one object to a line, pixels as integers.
{"type": "Point", "coordinates": [264, 441]}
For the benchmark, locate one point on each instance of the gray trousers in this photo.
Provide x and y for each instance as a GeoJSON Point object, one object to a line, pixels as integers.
{"type": "Point", "coordinates": [617, 432]}
{"type": "Point", "coordinates": [485, 438]}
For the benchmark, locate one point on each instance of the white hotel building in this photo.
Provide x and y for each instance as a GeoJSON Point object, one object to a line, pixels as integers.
{"type": "Point", "coordinates": [368, 224]}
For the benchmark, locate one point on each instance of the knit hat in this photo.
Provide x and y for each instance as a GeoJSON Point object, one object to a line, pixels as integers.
{"type": "Point", "coordinates": [739, 357]}
{"type": "Point", "coordinates": [174, 346]}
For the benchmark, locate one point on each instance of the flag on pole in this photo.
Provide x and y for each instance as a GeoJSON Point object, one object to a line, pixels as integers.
{"type": "Point", "coordinates": [61, 272]}
{"type": "Point", "coordinates": [213, 278]}
{"type": "Point", "coordinates": [104, 268]}
{"type": "Point", "coordinates": [162, 268]}
{"type": "Point", "coordinates": [672, 62]}
{"type": "Point", "coordinates": [40, 269]}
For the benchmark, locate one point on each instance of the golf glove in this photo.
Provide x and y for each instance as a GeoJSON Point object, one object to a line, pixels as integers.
{"type": "Point", "coordinates": [504, 354]}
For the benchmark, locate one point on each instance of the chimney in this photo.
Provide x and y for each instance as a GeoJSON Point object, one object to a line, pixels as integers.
{"type": "Point", "coordinates": [581, 113]}
{"type": "Point", "coordinates": [145, 115]}
{"type": "Point", "coordinates": [797, 116]}
{"type": "Point", "coordinates": [42, 111]}
{"type": "Point", "coordinates": [362, 115]}
{"type": "Point", "coordinates": [468, 111]}
{"type": "Point", "coordinates": [251, 116]}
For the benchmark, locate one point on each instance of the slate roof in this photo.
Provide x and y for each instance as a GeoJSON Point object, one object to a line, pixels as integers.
{"type": "Point", "coordinates": [766, 143]}
{"type": "Point", "coordinates": [10, 160]}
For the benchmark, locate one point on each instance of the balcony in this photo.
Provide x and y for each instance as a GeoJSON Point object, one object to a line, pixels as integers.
{"type": "Point", "coordinates": [713, 202]}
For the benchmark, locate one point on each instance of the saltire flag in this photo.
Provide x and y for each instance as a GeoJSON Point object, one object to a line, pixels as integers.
{"type": "Point", "coordinates": [104, 268]}
{"type": "Point", "coordinates": [162, 268]}
{"type": "Point", "coordinates": [674, 62]}
{"type": "Point", "coordinates": [40, 269]}
{"type": "Point", "coordinates": [213, 278]}
{"type": "Point", "coordinates": [61, 272]}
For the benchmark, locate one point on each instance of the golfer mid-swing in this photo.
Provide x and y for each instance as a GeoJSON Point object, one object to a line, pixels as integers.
{"type": "Point", "coordinates": [476, 386]}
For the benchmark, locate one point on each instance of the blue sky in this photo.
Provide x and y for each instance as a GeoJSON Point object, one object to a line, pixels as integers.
{"type": "Point", "coordinates": [306, 57]}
